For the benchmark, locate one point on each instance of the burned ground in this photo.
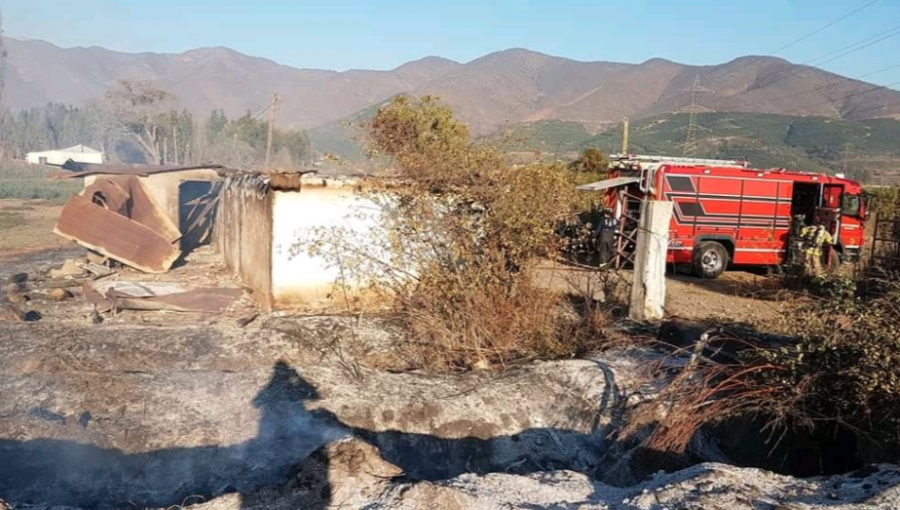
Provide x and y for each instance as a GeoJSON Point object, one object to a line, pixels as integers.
{"type": "Point", "coordinates": [156, 408]}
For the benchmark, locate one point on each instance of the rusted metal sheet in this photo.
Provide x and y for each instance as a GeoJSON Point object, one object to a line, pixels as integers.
{"type": "Point", "coordinates": [115, 236]}
{"type": "Point", "coordinates": [112, 296]}
{"type": "Point", "coordinates": [117, 218]}
{"type": "Point", "coordinates": [126, 195]}
{"type": "Point", "coordinates": [77, 170]}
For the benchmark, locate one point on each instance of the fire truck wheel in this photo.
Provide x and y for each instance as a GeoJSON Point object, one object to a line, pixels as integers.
{"type": "Point", "coordinates": [710, 260]}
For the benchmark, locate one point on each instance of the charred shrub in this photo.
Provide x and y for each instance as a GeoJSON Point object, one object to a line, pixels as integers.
{"type": "Point", "coordinates": [460, 230]}
{"type": "Point", "coordinates": [839, 374]}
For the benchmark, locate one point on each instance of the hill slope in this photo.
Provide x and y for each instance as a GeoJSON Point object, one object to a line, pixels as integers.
{"type": "Point", "coordinates": [866, 150]}
{"type": "Point", "coordinates": [501, 88]}
{"type": "Point", "coordinates": [205, 79]}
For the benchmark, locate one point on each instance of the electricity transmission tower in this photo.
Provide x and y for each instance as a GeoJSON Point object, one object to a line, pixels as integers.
{"type": "Point", "coordinates": [690, 142]}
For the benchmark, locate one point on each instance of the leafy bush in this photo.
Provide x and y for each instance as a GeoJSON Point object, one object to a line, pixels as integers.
{"type": "Point", "coordinates": [885, 201]}
{"type": "Point", "coordinates": [460, 228]}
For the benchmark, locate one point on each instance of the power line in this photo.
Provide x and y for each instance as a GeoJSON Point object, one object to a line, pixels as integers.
{"type": "Point", "coordinates": [835, 100]}
{"type": "Point", "coordinates": [809, 34]}
{"type": "Point", "coordinates": [263, 111]}
{"type": "Point", "coordinates": [848, 96]}
{"type": "Point", "coordinates": [865, 43]}
{"type": "Point", "coordinates": [820, 89]}
{"type": "Point", "coordinates": [824, 27]}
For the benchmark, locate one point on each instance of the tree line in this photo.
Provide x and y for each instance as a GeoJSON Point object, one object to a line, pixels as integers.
{"type": "Point", "coordinates": [138, 122]}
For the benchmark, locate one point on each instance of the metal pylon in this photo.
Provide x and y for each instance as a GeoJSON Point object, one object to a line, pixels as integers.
{"type": "Point", "coordinates": [690, 142]}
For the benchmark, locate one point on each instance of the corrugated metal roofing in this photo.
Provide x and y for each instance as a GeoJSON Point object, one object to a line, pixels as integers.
{"type": "Point", "coordinates": [608, 183]}
{"type": "Point", "coordinates": [85, 169]}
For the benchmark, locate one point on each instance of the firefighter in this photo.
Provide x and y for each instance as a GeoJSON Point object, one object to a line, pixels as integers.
{"type": "Point", "coordinates": [796, 243]}
{"type": "Point", "coordinates": [815, 239]}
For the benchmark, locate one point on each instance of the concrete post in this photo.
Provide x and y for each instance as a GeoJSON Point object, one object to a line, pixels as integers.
{"type": "Point", "coordinates": [648, 292]}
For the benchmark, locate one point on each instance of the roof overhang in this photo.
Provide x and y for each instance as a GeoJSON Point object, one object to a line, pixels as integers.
{"type": "Point", "coordinates": [608, 183]}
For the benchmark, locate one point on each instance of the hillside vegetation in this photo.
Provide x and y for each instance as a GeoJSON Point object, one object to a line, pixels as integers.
{"type": "Point", "coordinates": [867, 150]}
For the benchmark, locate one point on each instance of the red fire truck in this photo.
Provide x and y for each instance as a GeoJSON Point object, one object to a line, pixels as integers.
{"type": "Point", "coordinates": [725, 213]}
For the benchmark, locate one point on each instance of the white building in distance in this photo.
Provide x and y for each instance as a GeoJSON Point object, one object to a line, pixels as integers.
{"type": "Point", "coordinates": [78, 154]}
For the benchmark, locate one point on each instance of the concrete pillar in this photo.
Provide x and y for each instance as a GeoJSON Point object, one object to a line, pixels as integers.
{"type": "Point", "coordinates": [648, 292]}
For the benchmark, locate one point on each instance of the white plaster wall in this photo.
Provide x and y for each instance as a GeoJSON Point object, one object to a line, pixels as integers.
{"type": "Point", "coordinates": [59, 157]}
{"type": "Point", "coordinates": [296, 216]}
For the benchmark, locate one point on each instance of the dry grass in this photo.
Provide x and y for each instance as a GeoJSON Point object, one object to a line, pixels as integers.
{"type": "Point", "coordinates": [496, 328]}
{"type": "Point", "coordinates": [838, 370]}
{"type": "Point", "coordinates": [27, 225]}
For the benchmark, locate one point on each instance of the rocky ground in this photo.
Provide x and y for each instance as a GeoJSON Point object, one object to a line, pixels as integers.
{"type": "Point", "coordinates": [162, 409]}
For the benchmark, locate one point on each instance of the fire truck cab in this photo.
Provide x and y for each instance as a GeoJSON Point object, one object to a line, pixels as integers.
{"type": "Point", "coordinates": [725, 213]}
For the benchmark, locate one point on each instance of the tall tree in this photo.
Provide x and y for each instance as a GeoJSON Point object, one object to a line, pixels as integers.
{"type": "Point", "coordinates": [138, 108]}
{"type": "Point", "coordinates": [216, 125]}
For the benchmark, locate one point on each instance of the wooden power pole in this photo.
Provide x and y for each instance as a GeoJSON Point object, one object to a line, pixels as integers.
{"type": "Point", "coordinates": [273, 108]}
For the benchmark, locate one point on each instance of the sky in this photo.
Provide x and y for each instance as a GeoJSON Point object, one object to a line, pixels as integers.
{"type": "Point", "coordinates": [344, 34]}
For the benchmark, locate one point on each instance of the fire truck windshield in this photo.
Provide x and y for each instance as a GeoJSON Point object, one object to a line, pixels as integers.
{"type": "Point", "coordinates": [850, 205]}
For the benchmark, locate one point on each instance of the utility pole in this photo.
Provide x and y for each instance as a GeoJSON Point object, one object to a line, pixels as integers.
{"type": "Point", "coordinates": [625, 136]}
{"type": "Point", "coordinates": [690, 142]}
{"type": "Point", "coordinates": [175, 141]}
{"type": "Point", "coordinates": [273, 108]}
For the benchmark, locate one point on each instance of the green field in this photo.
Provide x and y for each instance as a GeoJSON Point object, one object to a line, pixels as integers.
{"type": "Point", "coordinates": [28, 182]}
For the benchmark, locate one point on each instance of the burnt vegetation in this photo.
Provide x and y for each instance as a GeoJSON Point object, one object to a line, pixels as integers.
{"type": "Point", "coordinates": [463, 229]}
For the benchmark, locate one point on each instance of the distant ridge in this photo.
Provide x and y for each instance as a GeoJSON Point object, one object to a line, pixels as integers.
{"type": "Point", "coordinates": [501, 88]}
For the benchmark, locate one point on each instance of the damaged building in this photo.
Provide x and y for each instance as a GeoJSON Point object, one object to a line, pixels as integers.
{"type": "Point", "coordinates": [265, 223]}
{"type": "Point", "coordinates": [143, 216]}
{"type": "Point", "coordinates": [147, 217]}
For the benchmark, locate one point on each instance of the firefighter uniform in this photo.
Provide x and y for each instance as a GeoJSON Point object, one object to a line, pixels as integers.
{"type": "Point", "coordinates": [815, 238]}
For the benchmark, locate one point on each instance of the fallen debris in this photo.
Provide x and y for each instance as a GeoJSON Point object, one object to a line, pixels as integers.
{"type": "Point", "coordinates": [243, 322]}
{"type": "Point", "coordinates": [18, 278]}
{"type": "Point", "coordinates": [11, 313]}
{"type": "Point", "coordinates": [71, 267]}
{"type": "Point", "coordinates": [96, 258]}
{"type": "Point", "coordinates": [119, 295]}
{"type": "Point", "coordinates": [59, 295]}
{"type": "Point", "coordinates": [95, 315]}
{"type": "Point", "coordinates": [17, 297]}
{"type": "Point", "coordinates": [13, 287]}
{"type": "Point", "coordinates": [97, 270]}
{"type": "Point", "coordinates": [116, 217]}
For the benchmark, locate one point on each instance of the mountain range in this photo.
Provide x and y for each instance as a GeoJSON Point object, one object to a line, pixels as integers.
{"type": "Point", "coordinates": [500, 89]}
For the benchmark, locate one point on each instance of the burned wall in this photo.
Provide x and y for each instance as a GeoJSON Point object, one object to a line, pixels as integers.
{"type": "Point", "coordinates": [165, 188]}
{"type": "Point", "coordinates": [244, 232]}
{"type": "Point", "coordinates": [327, 212]}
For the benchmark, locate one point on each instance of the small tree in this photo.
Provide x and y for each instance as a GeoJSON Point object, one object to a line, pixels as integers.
{"type": "Point", "coordinates": [459, 231]}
